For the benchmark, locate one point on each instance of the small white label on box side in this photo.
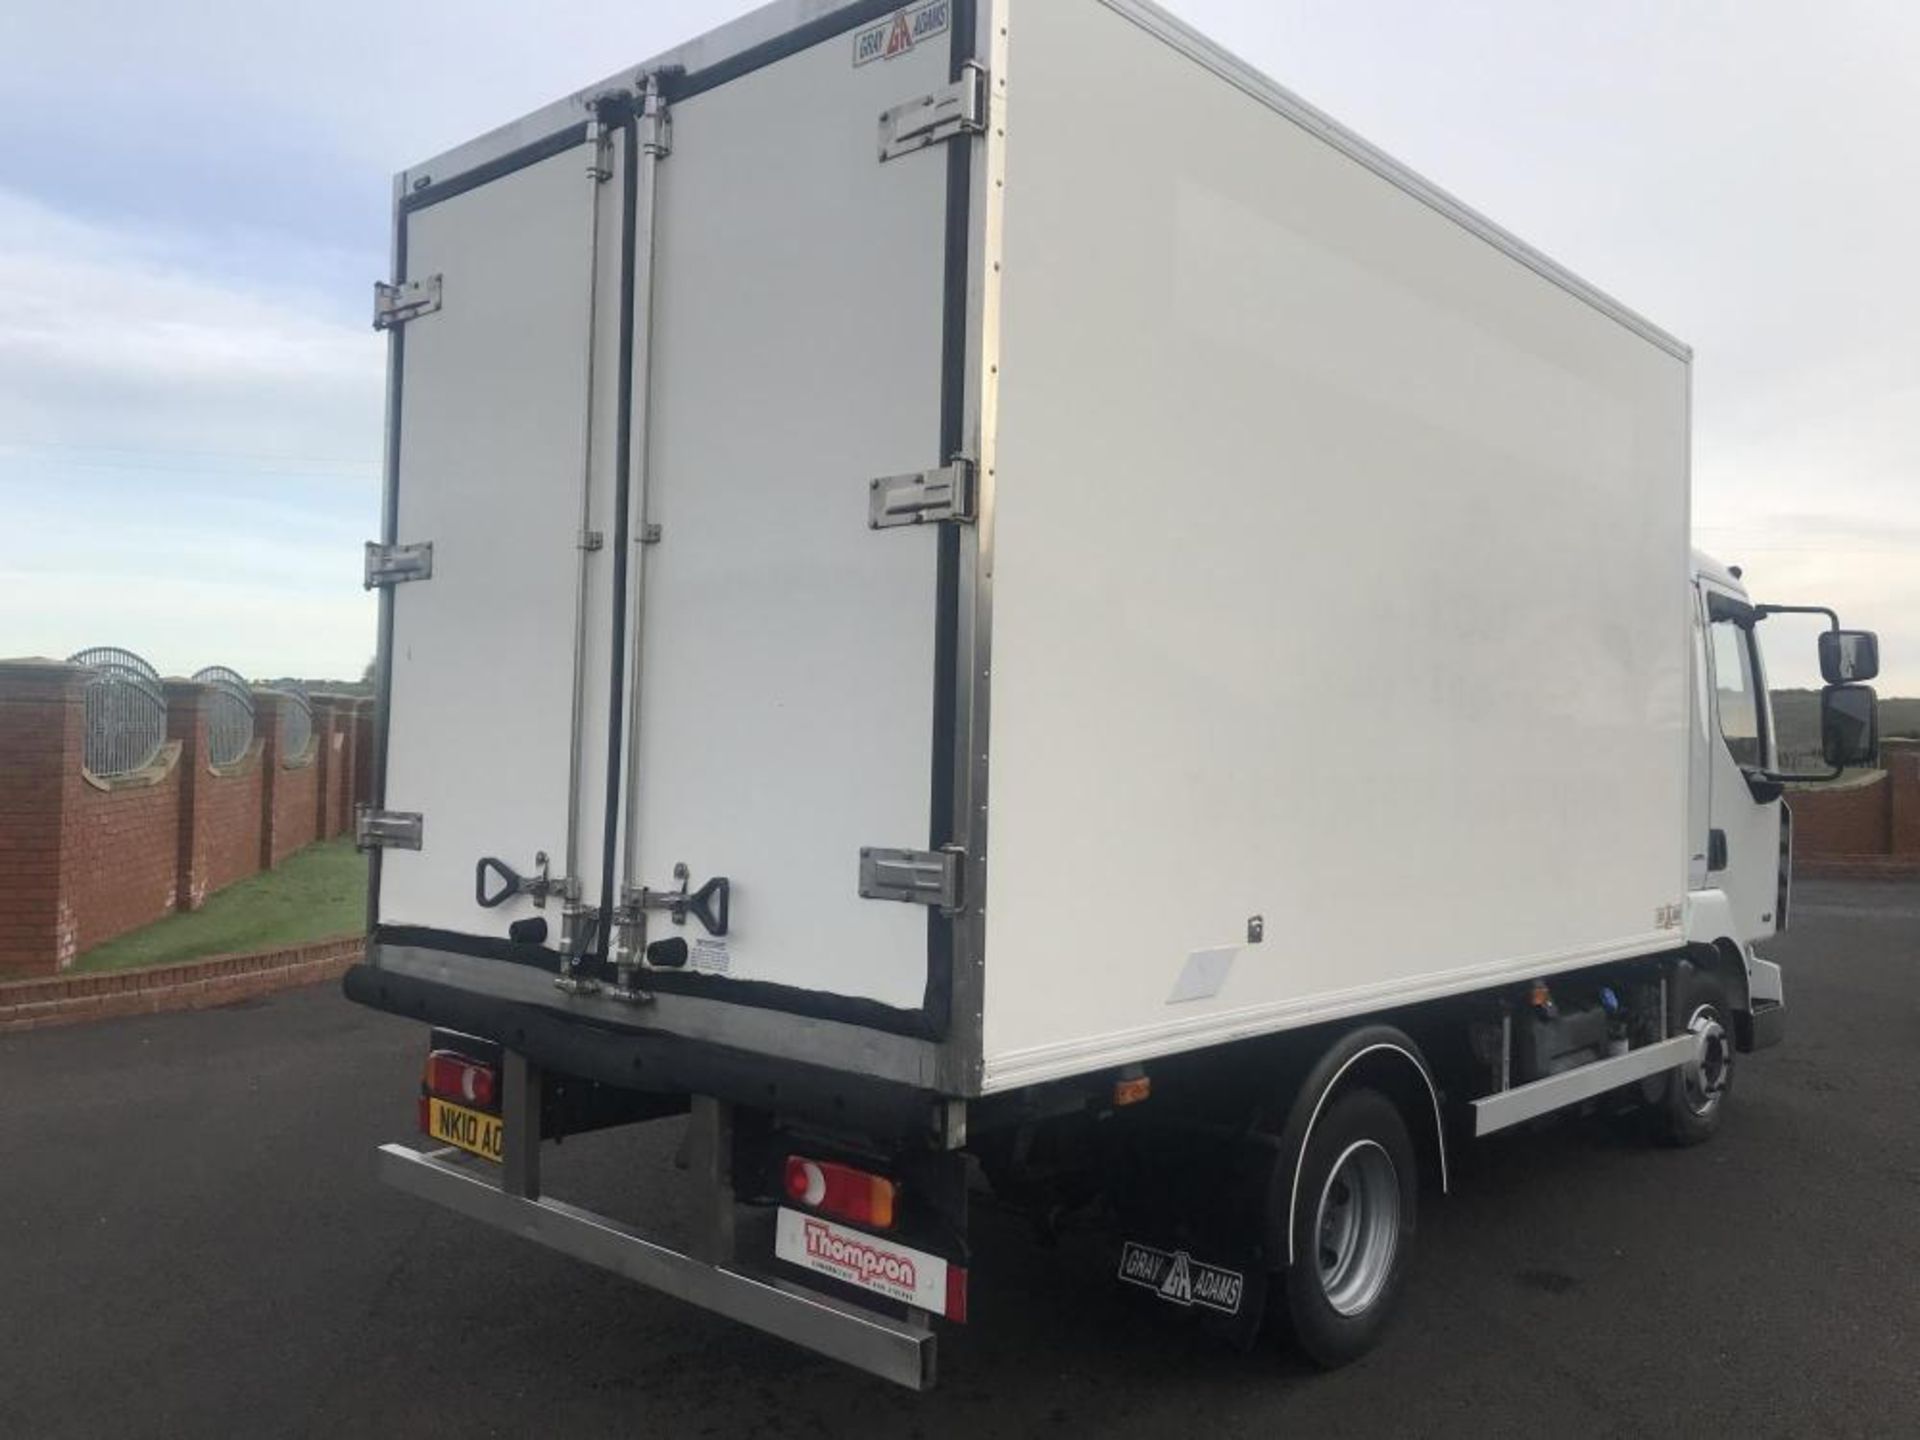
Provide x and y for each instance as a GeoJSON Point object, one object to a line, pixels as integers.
{"type": "Point", "coordinates": [1205, 972]}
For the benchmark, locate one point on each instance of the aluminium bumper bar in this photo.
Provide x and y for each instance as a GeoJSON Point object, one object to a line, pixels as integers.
{"type": "Point", "coordinates": [896, 1350]}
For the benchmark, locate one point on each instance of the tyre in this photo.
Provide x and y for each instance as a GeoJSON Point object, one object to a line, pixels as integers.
{"type": "Point", "coordinates": [1352, 1228]}
{"type": "Point", "coordinates": [1695, 1096]}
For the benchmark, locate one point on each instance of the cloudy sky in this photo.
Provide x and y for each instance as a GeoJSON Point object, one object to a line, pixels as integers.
{"type": "Point", "coordinates": [193, 207]}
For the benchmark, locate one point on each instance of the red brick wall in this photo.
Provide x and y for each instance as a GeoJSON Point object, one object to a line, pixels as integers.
{"type": "Point", "coordinates": [1841, 820]}
{"type": "Point", "coordinates": [42, 725]}
{"type": "Point", "coordinates": [1902, 759]}
{"type": "Point", "coordinates": [229, 815]}
{"type": "Point", "coordinates": [121, 854]}
{"type": "Point", "coordinates": [83, 860]}
{"type": "Point", "coordinates": [1877, 818]}
{"type": "Point", "coordinates": [290, 799]}
{"type": "Point", "coordinates": [362, 753]}
{"type": "Point", "coordinates": [295, 807]}
{"type": "Point", "coordinates": [333, 729]}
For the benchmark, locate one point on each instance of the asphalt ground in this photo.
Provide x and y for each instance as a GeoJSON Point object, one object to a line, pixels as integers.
{"type": "Point", "coordinates": [192, 1243]}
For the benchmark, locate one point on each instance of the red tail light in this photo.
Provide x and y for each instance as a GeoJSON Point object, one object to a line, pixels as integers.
{"type": "Point", "coordinates": [842, 1191]}
{"type": "Point", "coordinates": [956, 1294]}
{"type": "Point", "coordinates": [452, 1076]}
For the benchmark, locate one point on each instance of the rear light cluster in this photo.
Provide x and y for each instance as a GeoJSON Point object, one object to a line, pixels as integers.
{"type": "Point", "coordinates": [452, 1076]}
{"type": "Point", "coordinates": [842, 1192]}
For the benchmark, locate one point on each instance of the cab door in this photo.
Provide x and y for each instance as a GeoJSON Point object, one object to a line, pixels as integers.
{"type": "Point", "coordinates": [1743, 837]}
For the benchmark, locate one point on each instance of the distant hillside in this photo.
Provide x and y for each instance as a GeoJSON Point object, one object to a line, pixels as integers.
{"type": "Point", "coordinates": [1796, 713]}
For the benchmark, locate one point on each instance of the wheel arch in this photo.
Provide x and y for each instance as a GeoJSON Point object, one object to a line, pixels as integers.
{"type": "Point", "coordinates": [1724, 958]}
{"type": "Point", "coordinates": [1380, 1057]}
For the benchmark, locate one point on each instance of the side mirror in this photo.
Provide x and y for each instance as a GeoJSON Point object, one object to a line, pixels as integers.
{"type": "Point", "coordinates": [1847, 656]}
{"type": "Point", "coordinates": [1849, 728]}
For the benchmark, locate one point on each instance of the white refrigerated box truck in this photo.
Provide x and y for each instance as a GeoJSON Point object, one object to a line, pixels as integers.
{"type": "Point", "coordinates": [986, 602]}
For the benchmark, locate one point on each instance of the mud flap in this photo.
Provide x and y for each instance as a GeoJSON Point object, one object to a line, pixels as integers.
{"type": "Point", "coordinates": [1192, 1210]}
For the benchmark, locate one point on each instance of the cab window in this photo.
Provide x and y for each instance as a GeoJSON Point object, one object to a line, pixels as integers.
{"type": "Point", "coordinates": [1736, 693]}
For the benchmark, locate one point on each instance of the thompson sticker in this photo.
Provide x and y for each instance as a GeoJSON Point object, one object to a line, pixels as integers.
{"type": "Point", "coordinates": [898, 1272]}
{"type": "Point", "coordinates": [902, 32]}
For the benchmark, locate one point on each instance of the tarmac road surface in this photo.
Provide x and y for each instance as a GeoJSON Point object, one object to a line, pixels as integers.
{"type": "Point", "coordinates": [192, 1243]}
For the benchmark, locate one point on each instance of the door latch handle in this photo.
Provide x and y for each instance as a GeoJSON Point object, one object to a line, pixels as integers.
{"type": "Point", "coordinates": [512, 883]}
{"type": "Point", "coordinates": [711, 904]}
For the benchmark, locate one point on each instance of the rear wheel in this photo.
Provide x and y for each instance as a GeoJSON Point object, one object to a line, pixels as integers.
{"type": "Point", "coordinates": [1353, 1228]}
{"type": "Point", "coordinates": [1695, 1101]}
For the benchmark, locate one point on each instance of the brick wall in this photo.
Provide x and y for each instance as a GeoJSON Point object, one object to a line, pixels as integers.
{"type": "Point", "coordinates": [1876, 818]}
{"type": "Point", "coordinates": [1837, 820]}
{"type": "Point", "coordinates": [333, 723]}
{"type": "Point", "coordinates": [120, 859]}
{"type": "Point", "coordinates": [290, 805]}
{"type": "Point", "coordinates": [84, 859]}
{"type": "Point", "coordinates": [229, 814]}
{"type": "Point", "coordinates": [42, 726]}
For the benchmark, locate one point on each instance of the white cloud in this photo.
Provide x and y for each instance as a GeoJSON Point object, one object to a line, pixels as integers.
{"type": "Point", "coordinates": [187, 464]}
{"type": "Point", "coordinates": [116, 340]}
{"type": "Point", "coordinates": [1735, 171]}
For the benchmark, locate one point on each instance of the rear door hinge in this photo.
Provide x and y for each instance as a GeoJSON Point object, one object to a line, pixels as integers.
{"type": "Point", "coordinates": [948, 113]}
{"type": "Point", "coordinates": [386, 829]}
{"type": "Point", "coordinates": [922, 497]}
{"type": "Point", "coordinates": [397, 564]}
{"type": "Point", "coordinates": [915, 877]}
{"type": "Point", "coordinates": [394, 305]}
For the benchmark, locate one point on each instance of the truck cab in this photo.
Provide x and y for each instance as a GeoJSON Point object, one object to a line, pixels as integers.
{"type": "Point", "coordinates": [1741, 832]}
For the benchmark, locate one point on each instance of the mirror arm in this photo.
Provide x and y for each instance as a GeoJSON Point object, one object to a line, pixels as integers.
{"type": "Point", "coordinates": [1833, 619]}
{"type": "Point", "coordinates": [1781, 777]}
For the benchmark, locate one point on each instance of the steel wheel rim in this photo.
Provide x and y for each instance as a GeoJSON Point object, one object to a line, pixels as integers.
{"type": "Point", "coordinates": [1705, 1076]}
{"type": "Point", "coordinates": [1357, 1227]}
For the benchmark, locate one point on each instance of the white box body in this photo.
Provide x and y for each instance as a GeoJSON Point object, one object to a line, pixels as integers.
{"type": "Point", "coordinates": [1316, 643]}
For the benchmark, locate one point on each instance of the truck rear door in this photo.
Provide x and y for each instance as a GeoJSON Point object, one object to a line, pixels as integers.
{"type": "Point", "coordinates": [493, 437]}
{"type": "Point", "coordinates": [771, 702]}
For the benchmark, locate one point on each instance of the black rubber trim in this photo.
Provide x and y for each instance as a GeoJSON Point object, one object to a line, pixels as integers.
{"type": "Point", "coordinates": [1725, 607]}
{"type": "Point", "coordinates": [651, 1061]}
{"type": "Point", "coordinates": [788, 999]}
{"type": "Point", "coordinates": [622, 467]}
{"type": "Point", "coordinates": [686, 85]}
{"type": "Point", "coordinates": [531, 154]}
{"type": "Point", "coordinates": [480, 947]}
{"type": "Point", "coordinates": [946, 776]}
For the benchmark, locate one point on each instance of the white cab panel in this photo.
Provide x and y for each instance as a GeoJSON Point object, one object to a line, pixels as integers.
{"type": "Point", "coordinates": [1338, 569]}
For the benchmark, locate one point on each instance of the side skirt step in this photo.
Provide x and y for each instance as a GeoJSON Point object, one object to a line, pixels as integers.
{"type": "Point", "coordinates": [1556, 1092]}
{"type": "Point", "coordinates": [895, 1350]}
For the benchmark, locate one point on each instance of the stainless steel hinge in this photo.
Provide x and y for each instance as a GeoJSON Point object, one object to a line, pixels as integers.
{"type": "Point", "coordinates": [386, 829]}
{"type": "Point", "coordinates": [922, 497]}
{"type": "Point", "coordinates": [599, 152]}
{"type": "Point", "coordinates": [592, 540]}
{"type": "Point", "coordinates": [915, 877]}
{"type": "Point", "coordinates": [955, 110]}
{"type": "Point", "coordinates": [397, 564]}
{"type": "Point", "coordinates": [409, 300]}
{"type": "Point", "coordinates": [656, 122]}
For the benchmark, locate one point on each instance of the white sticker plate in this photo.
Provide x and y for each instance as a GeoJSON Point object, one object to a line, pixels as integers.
{"type": "Point", "coordinates": [1203, 975]}
{"type": "Point", "coordinates": [898, 1272]}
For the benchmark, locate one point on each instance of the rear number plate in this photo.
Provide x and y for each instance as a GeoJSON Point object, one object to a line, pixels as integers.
{"type": "Point", "coordinates": [471, 1130]}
